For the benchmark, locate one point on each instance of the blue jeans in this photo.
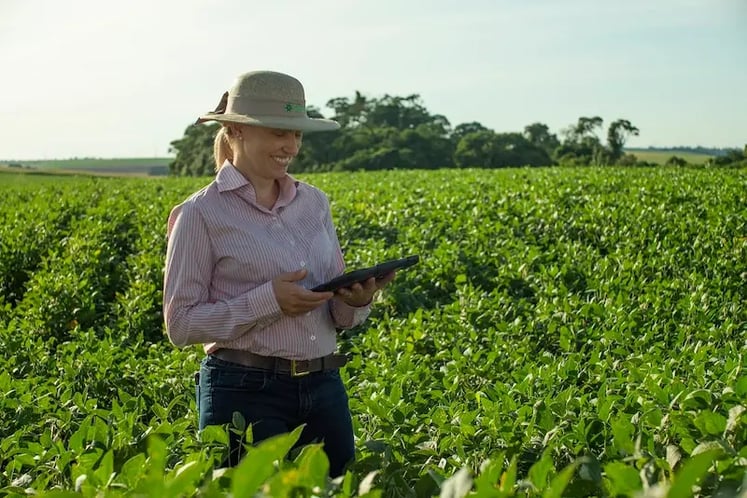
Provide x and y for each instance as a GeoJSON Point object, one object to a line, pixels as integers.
{"type": "Point", "coordinates": [276, 403]}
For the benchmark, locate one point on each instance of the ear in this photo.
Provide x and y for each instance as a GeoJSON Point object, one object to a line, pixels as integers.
{"type": "Point", "coordinates": [233, 130]}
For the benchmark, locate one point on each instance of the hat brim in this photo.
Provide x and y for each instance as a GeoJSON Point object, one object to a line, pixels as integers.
{"type": "Point", "coordinates": [304, 124]}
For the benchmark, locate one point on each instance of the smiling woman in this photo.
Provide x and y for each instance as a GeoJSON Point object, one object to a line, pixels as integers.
{"type": "Point", "coordinates": [242, 254]}
{"type": "Point", "coordinates": [262, 155]}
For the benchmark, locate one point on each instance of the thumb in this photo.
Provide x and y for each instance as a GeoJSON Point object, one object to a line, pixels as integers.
{"type": "Point", "coordinates": [293, 276]}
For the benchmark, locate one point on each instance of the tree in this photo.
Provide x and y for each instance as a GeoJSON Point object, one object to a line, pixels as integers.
{"type": "Point", "coordinates": [463, 129]}
{"type": "Point", "coordinates": [617, 134]}
{"type": "Point", "coordinates": [423, 147]}
{"type": "Point", "coordinates": [676, 161]}
{"type": "Point", "coordinates": [583, 130]}
{"type": "Point", "coordinates": [194, 151]}
{"type": "Point", "coordinates": [347, 113]}
{"type": "Point", "coordinates": [538, 134]}
{"type": "Point", "coordinates": [731, 157]}
{"type": "Point", "coordinates": [391, 128]}
{"type": "Point", "coordinates": [475, 149]}
{"type": "Point", "coordinates": [498, 150]}
{"type": "Point", "coordinates": [582, 145]}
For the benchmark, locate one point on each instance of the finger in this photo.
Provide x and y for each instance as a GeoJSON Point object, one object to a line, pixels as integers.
{"type": "Point", "coordinates": [308, 296]}
{"type": "Point", "coordinates": [381, 282]}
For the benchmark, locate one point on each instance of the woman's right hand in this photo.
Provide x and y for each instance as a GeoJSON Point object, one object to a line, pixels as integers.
{"type": "Point", "coordinates": [293, 299]}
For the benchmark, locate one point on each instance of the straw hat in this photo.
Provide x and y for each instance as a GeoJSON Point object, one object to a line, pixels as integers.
{"type": "Point", "coordinates": [268, 99]}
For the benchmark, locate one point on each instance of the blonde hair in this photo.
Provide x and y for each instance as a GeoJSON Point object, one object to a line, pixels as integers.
{"type": "Point", "coordinates": [222, 148]}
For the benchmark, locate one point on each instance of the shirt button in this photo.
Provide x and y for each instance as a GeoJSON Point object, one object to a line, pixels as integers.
{"type": "Point", "coordinates": [293, 242]}
{"type": "Point", "coordinates": [303, 263]}
{"type": "Point", "coordinates": [313, 338]}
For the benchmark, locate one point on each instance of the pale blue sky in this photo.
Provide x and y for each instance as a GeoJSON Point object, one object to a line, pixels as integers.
{"type": "Point", "coordinates": [123, 79]}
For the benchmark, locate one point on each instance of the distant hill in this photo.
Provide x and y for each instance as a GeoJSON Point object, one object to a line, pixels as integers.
{"type": "Point", "coordinates": [660, 155]}
{"type": "Point", "coordinates": [708, 151]}
{"type": "Point", "coordinates": [141, 166]}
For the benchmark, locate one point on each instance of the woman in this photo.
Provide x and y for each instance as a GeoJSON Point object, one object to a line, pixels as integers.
{"type": "Point", "coordinates": [242, 253]}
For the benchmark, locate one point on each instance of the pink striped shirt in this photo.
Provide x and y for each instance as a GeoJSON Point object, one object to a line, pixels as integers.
{"type": "Point", "coordinates": [223, 251]}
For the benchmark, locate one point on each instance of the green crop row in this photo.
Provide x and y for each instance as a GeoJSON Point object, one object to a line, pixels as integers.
{"type": "Point", "coordinates": [568, 332]}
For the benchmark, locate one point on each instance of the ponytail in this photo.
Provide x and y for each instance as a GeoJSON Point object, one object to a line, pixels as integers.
{"type": "Point", "coordinates": [222, 148]}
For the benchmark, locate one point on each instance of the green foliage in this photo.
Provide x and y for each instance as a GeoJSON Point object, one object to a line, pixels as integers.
{"type": "Point", "coordinates": [395, 132]}
{"type": "Point", "coordinates": [676, 161]}
{"type": "Point", "coordinates": [733, 157]}
{"type": "Point", "coordinates": [499, 150]}
{"type": "Point", "coordinates": [194, 151]}
{"type": "Point", "coordinates": [617, 134]}
{"type": "Point", "coordinates": [568, 332]}
{"type": "Point", "coordinates": [538, 134]}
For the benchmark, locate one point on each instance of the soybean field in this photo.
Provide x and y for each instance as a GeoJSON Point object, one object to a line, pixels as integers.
{"type": "Point", "coordinates": [568, 332]}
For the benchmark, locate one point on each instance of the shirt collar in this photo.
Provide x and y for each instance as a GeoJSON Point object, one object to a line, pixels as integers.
{"type": "Point", "coordinates": [229, 178]}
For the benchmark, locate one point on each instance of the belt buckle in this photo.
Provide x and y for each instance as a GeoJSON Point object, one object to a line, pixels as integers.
{"type": "Point", "coordinates": [294, 369]}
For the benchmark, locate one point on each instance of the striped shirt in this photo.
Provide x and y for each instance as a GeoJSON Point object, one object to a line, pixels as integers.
{"type": "Point", "coordinates": [223, 251]}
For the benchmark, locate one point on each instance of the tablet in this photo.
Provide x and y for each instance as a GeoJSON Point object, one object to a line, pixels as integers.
{"type": "Point", "coordinates": [378, 271]}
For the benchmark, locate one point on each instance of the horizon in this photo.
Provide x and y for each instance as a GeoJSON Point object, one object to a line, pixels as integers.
{"type": "Point", "coordinates": [686, 148]}
{"type": "Point", "coordinates": [129, 80]}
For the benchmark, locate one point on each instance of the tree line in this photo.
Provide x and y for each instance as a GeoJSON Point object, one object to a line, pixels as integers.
{"type": "Point", "coordinates": [400, 132]}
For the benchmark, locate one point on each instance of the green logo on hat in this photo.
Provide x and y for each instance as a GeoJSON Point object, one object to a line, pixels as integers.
{"type": "Point", "coordinates": [290, 107]}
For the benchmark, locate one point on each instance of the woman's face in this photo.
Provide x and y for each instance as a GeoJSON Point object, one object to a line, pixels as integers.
{"type": "Point", "coordinates": [268, 151]}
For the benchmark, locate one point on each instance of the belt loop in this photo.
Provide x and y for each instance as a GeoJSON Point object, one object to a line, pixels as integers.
{"type": "Point", "coordinates": [276, 366]}
{"type": "Point", "coordinates": [324, 358]}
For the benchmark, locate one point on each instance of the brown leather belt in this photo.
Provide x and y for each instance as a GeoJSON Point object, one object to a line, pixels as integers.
{"type": "Point", "coordinates": [295, 368]}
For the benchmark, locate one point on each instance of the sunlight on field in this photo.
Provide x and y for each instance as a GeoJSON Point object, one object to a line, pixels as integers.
{"type": "Point", "coordinates": [139, 166]}
{"type": "Point", "coordinates": [560, 319]}
{"type": "Point", "coordinates": [661, 157]}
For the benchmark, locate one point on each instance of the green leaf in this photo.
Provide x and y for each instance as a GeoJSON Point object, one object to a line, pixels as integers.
{"type": "Point", "coordinates": [623, 480]}
{"type": "Point", "coordinates": [313, 464]}
{"type": "Point", "coordinates": [691, 472]}
{"type": "Point", "coordinates": [426, 485]}
{"type": "Point", "coordinates": [239, 422]}
{"type": "Point", "coordinates": [259, 463]}
{"type": "Point", "coordinates": [105, 468]}
{"type": "Point", "coordinates": [457, 486]}
{"type": "Point", "coordinates": [719, 446]}
{"type": "Point", "coordinates": [560, 481]}
{"type": "Point", "coordinates": [710, 423]}
{"type": "Point", "coordinates": [540, 471]}
{"type": "Point", "coordinates": [622, 433]}
{"type": "Point", "coordinates": [698, 399]}
{"type": "Point", "coordinates": [132, 470]}
{"type": "Point", "coordinates": [508, 479]}
{"type": "Point", "coordinates": [486, 481]}
{"type": "Point", "coordinates": [741, 386]}
{"type": "Point", "coordinates": [183, 480]}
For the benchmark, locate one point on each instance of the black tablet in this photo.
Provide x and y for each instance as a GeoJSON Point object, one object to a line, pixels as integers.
{"type": "Point", "coordinates": [378, 271]}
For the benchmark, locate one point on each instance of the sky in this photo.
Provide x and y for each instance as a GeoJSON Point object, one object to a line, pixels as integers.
{"type": "Point", "coordinates": [99, 78]}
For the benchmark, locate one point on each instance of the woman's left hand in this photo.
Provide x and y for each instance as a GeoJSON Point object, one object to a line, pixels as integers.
{"type": "Point", "coordinates": [361, 294]}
